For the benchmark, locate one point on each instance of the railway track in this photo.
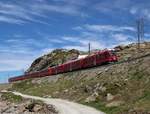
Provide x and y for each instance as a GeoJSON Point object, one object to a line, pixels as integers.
{"type": "Point", "coordinates": [132, 59]}
{"type": "Point", "coordinates": [119, 62]}
{"type": "Point", "coordinates": [43, 74]}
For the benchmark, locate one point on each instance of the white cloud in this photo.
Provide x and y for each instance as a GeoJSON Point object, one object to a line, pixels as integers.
{"type": "Point", "coordinates": [56, 40]}
{"type": "Point", "coordinates": [11, 20]}
{"type": "Point", "coordinates": [109, 36]}
{"type": "Point", "coordinates": [120, 37]}
{"type": "Point", "coordinates": [46, 50]}
{"type": "Point", "coordinates": [17, 14]}
{"type": "Point", "coordinates": [108, 6]}
{"type": "Point", "coordinates": [113, 28]}
{"type": "Point", "coordinates": [12, 59]}
{"type": "Point", "coordinates": [147, 35]}
{"type": "Point", "coordinates": [12, 40]}
{"type": "Point", "coordinates": [20, 12]}
{"type": "Point", "coordinates": [8, 65]}
{"type": "Point", "coordinates": [70, 39]}
{"type": "Point", "coordinates": [141, 11]}
{"type": "Point", "coordinates": [77, 28]}
{"type": "Point", "coordinates": [73, 2]}
{"type": "Point", "coordinates": [81, 48]}
{"type": "Point", "coordinates": [82, 44]}
{"type": "Point", "coordinates": [71, 10]}
{"type": "Point", "coordinates": [133, 10]}
{"type": "Point", "coordinates": [95, 44]}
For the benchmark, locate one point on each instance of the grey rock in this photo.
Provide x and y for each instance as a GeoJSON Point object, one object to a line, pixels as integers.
{"type": "Point", "coordinates": [90, 99]}
{"type": "Point", "coordinates": [109, 97]}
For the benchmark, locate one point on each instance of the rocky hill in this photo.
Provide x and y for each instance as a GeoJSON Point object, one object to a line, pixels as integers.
{"type": "Point", "coordinates": [54, 58]}
{"type": "Point", "coordinates": [117, 88]}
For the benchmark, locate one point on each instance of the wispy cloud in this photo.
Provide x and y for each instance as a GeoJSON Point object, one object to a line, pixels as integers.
{"type": "Point", "coordinates": [14, 64]}
{"type": "Point", "coordinates": [121, 37]}
{"type": "Point", "coordinates": [108, 6]}
{"type": "Point", "coordinates": [141, 12]}
{"type": "Point", "coordinates": [10, 20]}
{"type": "Point", "coordinates": [107, 28]}
{"type": "Point", "coordinates": [81, 42]}
{"type": "Point", "coordinates": [16, 56]}
{"type": "Point", "coordinates": [21, 12]}
{"type": "Point", "coordinates": [101, 36]}
{"type": "Point", "coordinates": [113, 8]}
{"type": "Point", "coordinates": [70, 38]}
{"type": "Point", "coordinates": [65, 9]}
{"type": "Point", "coordinates": [83, 45]}
{"type": "Point", "coordinates": [17, 14]}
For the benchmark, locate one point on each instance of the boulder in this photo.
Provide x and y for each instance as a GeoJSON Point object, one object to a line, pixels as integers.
{"type": "Point", "coordinates": [88, 89]}
{"type": "Point", "coordinates": [119, 48]}
{"type": "Point", "coordinates": [109, 97]}
{"type": "Point", "coordinates": [52, 109]}
{"type": "Point", "coordinates": [66, 91]}
{"type": "Point", "coordinates": [21, 108]}
{"type": "Point", "coordinates": [37, 108]}
{"type": "Point", "coordinates": [90, 99]}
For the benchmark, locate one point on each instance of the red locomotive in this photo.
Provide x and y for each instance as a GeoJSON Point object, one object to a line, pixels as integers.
{"type": "Point", "coordinates": [99, 58]}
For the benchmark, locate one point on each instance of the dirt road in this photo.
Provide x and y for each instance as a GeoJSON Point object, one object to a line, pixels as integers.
{"type": "Point", "coordinates": [63, 106]}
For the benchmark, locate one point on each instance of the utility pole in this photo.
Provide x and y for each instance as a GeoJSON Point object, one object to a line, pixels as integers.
{"type": "Point", "coordinates": [89, 45]}
{"type": "Point", "coordinates": [140, 32]}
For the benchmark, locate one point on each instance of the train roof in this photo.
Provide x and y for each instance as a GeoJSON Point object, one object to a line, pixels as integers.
{"type": "Point", "coordinates": [98, 52]}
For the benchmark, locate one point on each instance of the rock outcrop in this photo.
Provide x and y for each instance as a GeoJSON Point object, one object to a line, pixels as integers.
{"type": "Point", "coordinates": [54, 58]}
{"type": "Point", "coordinates": [25, 107]}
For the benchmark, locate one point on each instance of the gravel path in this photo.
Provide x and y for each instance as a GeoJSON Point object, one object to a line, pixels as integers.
{"type": "Point", "coordinates": [63, 106]}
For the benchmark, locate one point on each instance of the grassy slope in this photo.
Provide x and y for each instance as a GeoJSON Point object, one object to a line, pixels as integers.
{"type": "Point", "coordinates": [10, 97]}
{"type": "Point", "coordinates": [129, 82]}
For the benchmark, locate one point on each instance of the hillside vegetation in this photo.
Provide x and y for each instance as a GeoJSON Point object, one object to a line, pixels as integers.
{"type": "Point", "coordinates": [118, 88]}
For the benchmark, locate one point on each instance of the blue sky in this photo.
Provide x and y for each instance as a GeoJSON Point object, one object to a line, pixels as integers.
{"type": "Point", "coordinates": [5, 75]}
{"type": "Point", "coordinates": [30, 28]}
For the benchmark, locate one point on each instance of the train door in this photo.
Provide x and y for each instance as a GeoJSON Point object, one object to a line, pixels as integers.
{"type": "Point", "coordinates": [100, 58]}
{"type": "Point", "coordinates": [94, 60]}
{"type": "Point", "coordinates": [49, 71]}
{"type": "Point", "coordinates": [75, 65]}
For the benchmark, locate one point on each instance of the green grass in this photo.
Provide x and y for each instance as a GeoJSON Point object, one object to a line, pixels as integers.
{"type": "Point", "coordinates": [11, 97]}
{"type": "Point", "coordinates": [101, 106]}
{"type": "Point", "coordinates": [144, 101]}
{"type": "Point", "coordinates": [134, 89]}
{"type": "Point", "coordinates": [42, 89]}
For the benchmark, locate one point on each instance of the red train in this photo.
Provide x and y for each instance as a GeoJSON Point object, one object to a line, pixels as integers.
{"type": "Point", "coordinates": [99, 58]}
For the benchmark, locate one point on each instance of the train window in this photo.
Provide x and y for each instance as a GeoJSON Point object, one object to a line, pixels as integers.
{"type": "Point", "coordinates": [107, 54]}
{"type": "Point", "coordinates": [102, 56]}
{"type": "Point", "coordinates": [113, 52]}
